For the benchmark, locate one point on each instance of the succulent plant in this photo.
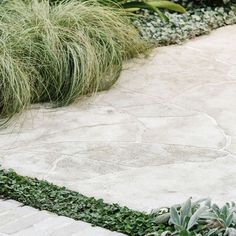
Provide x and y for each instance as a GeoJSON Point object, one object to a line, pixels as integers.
{"type": "Point", "coordinates": [201, 218]}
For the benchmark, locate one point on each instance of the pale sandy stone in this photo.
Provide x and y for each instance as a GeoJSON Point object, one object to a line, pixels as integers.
{"type": "Point", "coordinates": [165, 131]}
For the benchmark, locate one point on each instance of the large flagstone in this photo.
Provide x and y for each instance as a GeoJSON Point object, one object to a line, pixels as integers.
{"type": "Point", "coordinates": [164, 132]}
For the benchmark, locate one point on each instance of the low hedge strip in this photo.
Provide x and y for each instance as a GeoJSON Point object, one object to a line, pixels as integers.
{"type": "Point", "coordinates": [181, 27]}
{"type": "Point", "coordinates": [46, 196]}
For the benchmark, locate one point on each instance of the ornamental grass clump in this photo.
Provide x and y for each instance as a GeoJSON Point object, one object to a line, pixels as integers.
{"type": "Point", "coordinates": [58, 53]}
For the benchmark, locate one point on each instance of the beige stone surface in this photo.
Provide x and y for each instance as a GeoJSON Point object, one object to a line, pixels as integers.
{"type": "Point", "coordinates": [164, 132]}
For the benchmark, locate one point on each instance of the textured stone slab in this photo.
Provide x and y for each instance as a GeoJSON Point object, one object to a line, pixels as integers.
{"type": "Point", "coordinates": [164, 132]}
{"type": "Point", "coordinates": [149, 187]}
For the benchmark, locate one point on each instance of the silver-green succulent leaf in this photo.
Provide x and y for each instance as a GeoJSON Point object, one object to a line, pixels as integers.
{"type": "Point", "coordinates": [162, 219]}
{"type": "Point", "coordinates": [174, 217]}
{"type": "Point", "coordinates": [196, 216]}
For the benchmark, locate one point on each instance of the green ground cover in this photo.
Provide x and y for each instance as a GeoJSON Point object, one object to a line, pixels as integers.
{"type": "Point", "coordinates": [201, 218]}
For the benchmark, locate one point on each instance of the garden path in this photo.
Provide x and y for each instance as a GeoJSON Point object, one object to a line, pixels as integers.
{"type": "Point", "coordinates": [164, 132]}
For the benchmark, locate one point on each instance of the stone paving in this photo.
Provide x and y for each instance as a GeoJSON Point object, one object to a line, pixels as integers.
{"type": "Point", "coordinates": [18, 220]}
{"type": "Point", "coordinates": [164, 132]}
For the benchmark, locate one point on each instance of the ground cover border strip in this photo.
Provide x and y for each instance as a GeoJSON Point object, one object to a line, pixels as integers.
{"type": "Point", "coordinates": [43, 195]}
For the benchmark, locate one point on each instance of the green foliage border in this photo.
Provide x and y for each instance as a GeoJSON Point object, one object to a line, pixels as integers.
{"type": "Point", "coordinates": [179, 28]}
{"type": "Point", "coordinates": [43, 195]}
